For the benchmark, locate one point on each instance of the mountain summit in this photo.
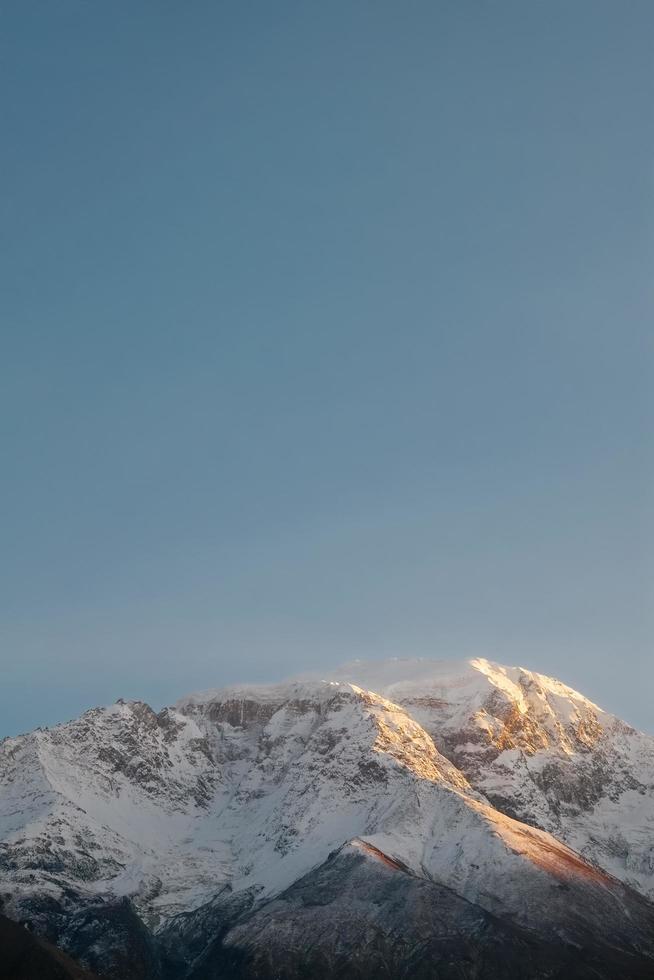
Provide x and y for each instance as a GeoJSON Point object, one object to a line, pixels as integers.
{"type": "Point", "coordinates": [403, 818]}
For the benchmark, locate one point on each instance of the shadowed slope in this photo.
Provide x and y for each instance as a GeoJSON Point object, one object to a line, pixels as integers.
{"type": "Point", "coordinates": [362, 916]}
{"type": "Point", "coordinates": [23, 956]}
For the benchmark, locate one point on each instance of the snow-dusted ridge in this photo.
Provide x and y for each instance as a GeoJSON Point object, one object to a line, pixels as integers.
{"type": "Point", "coordinates": [298, 689]}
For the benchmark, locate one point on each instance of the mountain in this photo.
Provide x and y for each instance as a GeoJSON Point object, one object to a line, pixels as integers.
{"type": "Point", "coordinates": [403, 818]}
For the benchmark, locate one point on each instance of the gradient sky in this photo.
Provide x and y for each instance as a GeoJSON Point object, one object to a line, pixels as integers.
{"type": "Point", "coordinates": [327, 332]}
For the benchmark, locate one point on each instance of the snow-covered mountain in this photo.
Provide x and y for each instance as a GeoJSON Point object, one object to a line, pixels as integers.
{"type": "Point", "coordinates": [286, 830]}
{"type": "Point", "coordinates": [538, 751]}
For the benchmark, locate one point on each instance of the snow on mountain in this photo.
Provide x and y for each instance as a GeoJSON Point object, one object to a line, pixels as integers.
{"type": "Point", "coordinates": [127, 802]}
{"type": "Point", "coordinates": [101, 803]}
{"type": "Point", "coordinates": [538, 751]}
{"type": "Point", "coordinates": [458, 773]}
{"type": "Point", "coordinates": [535, 748]}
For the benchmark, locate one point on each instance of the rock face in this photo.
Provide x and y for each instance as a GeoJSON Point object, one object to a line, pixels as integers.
{"type": "Point", "coordinates": [403, 818]}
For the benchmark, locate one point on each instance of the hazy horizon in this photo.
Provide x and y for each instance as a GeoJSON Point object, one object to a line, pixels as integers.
{"type": "Point", "coordinates": [327, 334]}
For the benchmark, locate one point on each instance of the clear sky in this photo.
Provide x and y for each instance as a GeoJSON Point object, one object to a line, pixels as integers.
{"type": "Point", "coordinates": [326, 333]}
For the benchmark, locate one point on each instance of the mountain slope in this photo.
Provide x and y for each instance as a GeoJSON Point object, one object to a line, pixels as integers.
{"type": "Point", "coordinates": [363, 915]}
{"type": "Point", "coordinates": [26, 957]}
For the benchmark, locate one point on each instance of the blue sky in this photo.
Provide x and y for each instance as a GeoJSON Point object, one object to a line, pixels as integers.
{"type": "Point", "coordinates": [326, 332]}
